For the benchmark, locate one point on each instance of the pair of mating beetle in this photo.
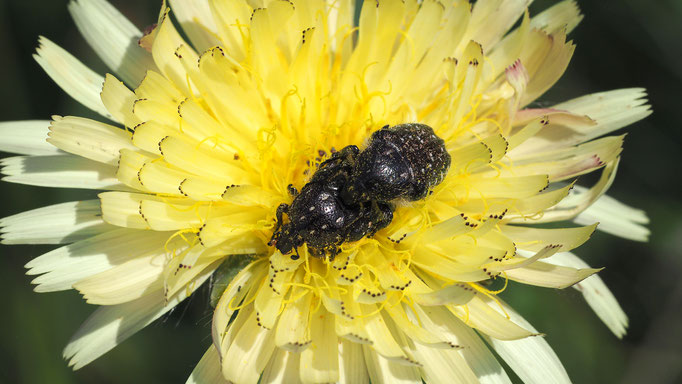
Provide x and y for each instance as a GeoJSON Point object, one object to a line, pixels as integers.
{"type": "Point", "coordinates": [349, 196]}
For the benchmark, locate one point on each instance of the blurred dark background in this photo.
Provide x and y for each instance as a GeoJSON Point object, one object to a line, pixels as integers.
{"type": "Point", "coordinates": [620, 43]}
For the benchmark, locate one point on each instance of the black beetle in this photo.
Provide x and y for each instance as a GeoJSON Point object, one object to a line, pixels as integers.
{"type": "Point", "coordinates": [349, 196]}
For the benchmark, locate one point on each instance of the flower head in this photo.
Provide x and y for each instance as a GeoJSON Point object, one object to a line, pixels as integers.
{"type": "Point", "coordinates": [214, 131]}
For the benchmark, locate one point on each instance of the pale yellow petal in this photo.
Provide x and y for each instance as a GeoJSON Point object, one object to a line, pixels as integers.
{"type": "Point", "coordinates": [89, 138]}
{"type": "Point", "coordinates": [207, 370]}
{"type": "Point", "coordinates": [249, 353]}
{"type": "Point", "coordinates": [282, 368]}
{"type": "Point", "coordinates": [196, 21]}
{"type": "Point", "coordinates": [113, 37]}
{"type": "Point", "coordinates": [320, 362]}
{"type": "Point", "coordinates": [119, 100]}
{"type": "Point", "coordinates": [77, 80]}
{"type": "Point", "coordinates": [26, 137]}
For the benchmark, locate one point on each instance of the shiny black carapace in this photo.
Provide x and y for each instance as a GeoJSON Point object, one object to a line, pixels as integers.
{"type": "Point", "coordinates": [349, 196]}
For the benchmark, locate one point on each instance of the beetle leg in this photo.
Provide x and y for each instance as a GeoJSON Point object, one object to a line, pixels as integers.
{"type": "Point", "coordinates": [282, 209]}
{"type": "Point", "coordinates": [333, 251]}
{"type": "Point", "coordinates": [296, 255]}
{"type": "Point", "coordinates": [346, 155]}
{"type": "Point", "coordinates": [348, 152]}
{"type": "Point", "coordinates": [383, 212]}
{"type": "Point", "coordinates": [292, 190]}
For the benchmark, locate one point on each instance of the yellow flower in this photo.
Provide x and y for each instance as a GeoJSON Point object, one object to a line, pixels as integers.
{"type": "Point", "coordinates": [215, 130]}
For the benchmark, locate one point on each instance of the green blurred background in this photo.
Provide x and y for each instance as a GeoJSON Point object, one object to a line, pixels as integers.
{"type": "Point", "coordinates": [620, 43]}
